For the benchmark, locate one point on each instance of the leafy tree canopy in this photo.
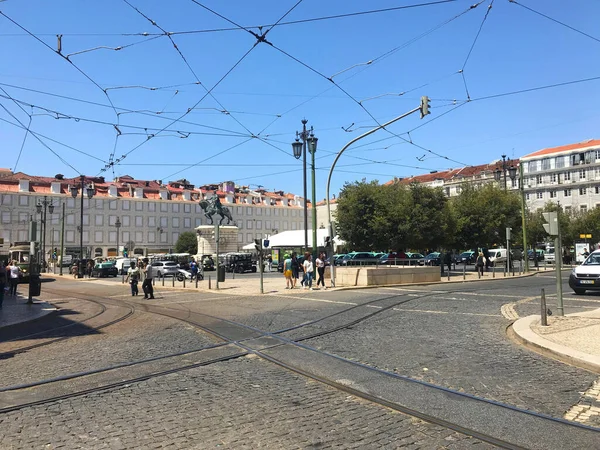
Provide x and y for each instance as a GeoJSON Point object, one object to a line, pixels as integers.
{"type": "Point", "coordinates": [187, 243]}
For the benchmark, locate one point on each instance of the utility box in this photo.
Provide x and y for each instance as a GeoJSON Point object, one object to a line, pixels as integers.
{"type": "Point", "coordinates": [35, 285]}
{"type": "Point", "coordinates": [221, 274]}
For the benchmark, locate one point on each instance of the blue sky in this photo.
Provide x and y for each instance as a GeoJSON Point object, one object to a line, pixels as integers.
{"type": "Point", "coordinates": [87, 111]}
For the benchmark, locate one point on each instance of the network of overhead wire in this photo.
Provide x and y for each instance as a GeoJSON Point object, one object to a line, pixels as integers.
{"type": "Point", "coordinates": [178, 123]}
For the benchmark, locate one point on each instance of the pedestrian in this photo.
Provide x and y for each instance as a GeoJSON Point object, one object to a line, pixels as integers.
{"type": "Point", "coordinates": [295, 269]}
{"type": "Point", "coordinates": [133, 277]}
{"type": "Point", "coordinates": [448, 260]}
{"type": "Point", "coordinates": [3, 281]}
{"type": "Point", "coordinates": [88, 268]}
{"type": "Point", "coordinates": [193, 270]}
{"type": "Point", "coordinates": [14, 272]}
{"type": "Point", "coordinates": [269, 263]}
{"type": "Point", "coordinates": [479, 263]}
{"type": "Point", "coordinates": [486, 256]}
{"type": "Point", "coordinates": [287, 272]}
{"type": "Point", "coordinates": [147, 284]}
{"type": "Point", "coordinates": [320, 263]}
{"type": "Point", "coordinates": [308, 270]}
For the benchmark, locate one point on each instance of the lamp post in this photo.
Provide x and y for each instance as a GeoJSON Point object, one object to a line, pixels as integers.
{"type": "Point", "coordinates": [118, 227]}
{"type": "Point", "coordinates": [299, 148]}
{"type": "Point", "coordinates": [512, 173]}
{"type": "Point", "coordinates": [90, 193]}
{"type": "Point", "coordinates": [502, 173]}
{"type": "Point", "coordinates": [41, 207]}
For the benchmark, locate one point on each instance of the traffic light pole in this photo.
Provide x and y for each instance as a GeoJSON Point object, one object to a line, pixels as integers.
{"type": "Point", "coordinates": [558, 263]}
{"type": "Point", "coordinates": [217, 250]}
{"type": "Point", "coordinates": [424, 108]}
{"type": "Point", "coordinates": [62, 240]}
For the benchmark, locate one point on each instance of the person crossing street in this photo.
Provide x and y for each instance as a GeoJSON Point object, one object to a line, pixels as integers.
{"type": "Point", "coordinates": [147, 284]}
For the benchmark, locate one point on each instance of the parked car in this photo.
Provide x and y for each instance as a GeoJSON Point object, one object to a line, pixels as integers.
{"type": "Point", "coordinates": [497, 256]}
{"type": "Point", "coordinates": [337, 259]}
{"type": "Point", "coordinates": [540, 254]}
{"type": "Point", "coordinates": [433, 259]}
{"type": "Point", "coordinates": [239, 262]}
{"type": "Point", "coordinates": [467, 257]}
{"type": "Point", "coordinates": [415, 259]}
{"type": "Point", "coordinates": [165, 268]}
{"type": "Point", "coordinates": [359, 259]}
{"type": "Point", "coordinates": [586, 277]}
{"type": "Point", "coordinates": [103, 270]}
{"type": "Point", "coordinates": [207, 262]}
{"type": "Point", "coordinates": [123, 264]}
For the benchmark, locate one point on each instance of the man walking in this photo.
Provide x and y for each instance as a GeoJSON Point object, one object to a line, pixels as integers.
{"type": "Point", "coordinates": [147, 284]}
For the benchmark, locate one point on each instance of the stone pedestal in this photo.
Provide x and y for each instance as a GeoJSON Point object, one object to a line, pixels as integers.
{"type": "Point", "coordinates": [206, 240]}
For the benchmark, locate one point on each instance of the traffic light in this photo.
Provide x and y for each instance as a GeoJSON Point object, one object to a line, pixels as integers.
{"type": "Point", "coordinates": [55, 253]}
{"type": "Point", "coordinates": [425, 106]}
{"type": "Point", "coordinates": [552, 226]}
{"type": "Point", "coordinates": [125, 252]}
{"type": "Point", "coordinates": [257, 245]}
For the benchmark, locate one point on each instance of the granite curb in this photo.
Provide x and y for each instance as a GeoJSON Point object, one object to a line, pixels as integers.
{"type": "Point", "coordinates": [521, 331]}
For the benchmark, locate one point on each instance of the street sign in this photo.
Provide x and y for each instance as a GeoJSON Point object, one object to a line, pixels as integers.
{"type": "Point", "coordinates": [585, 236]}
{"type": "Point", "coordinates": [266, 243]}
{"type": "Point", "coordinates": [552, 226]}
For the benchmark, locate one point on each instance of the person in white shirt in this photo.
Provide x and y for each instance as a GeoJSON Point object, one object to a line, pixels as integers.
{"type": "Point", "coordinates": [308, 270]}
{"type": "Point", "coordinates": [133, 277]}
{"type": "Point", "coordinates": [320, 263]}
{"type": "Point", "coordinates": [13, 277]}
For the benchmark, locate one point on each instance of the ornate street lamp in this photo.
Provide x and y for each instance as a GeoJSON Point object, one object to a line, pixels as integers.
{"type": "Point", "coordinates": [42, 207]}
{"type": "Point", "coordinates": [512, 173]}
{"type": "Point", "coordinates": [89, 190]}
{"type": "Point", "coordinates": [299, 149]}
{"type": "Point", "coordinates": [498, 173]}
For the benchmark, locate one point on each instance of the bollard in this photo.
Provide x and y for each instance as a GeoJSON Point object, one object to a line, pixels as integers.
{"type": "Point", "coordinates": [123, 278]}
{"type": "Point", "coordinates": [505, 270]}
{"type": "Point", "coordinates": [196, 282]}
{"type": "Point", "coordinates": [209, 287]}
{"type": "Point", "coordinates": [153, 281]}
{"type": "Point", "coordinates": [544, 311]}
{"type": "Point", "coordinates": [493, 271]}
{"type": "Point", "coordinates": [233, 274]}
{"type": "Point", "coordinates": [448, 275]}
{"type": "Point", "coordinates": [478, 272]}
{"type": "Point", "coordinates": [465, 272]}
{"type": "Point", "coordinates": [163, 279]}
{"type": "Point", "coordinates": [173, 280]}
{"type": "Point", "coordinates": [184, 282]}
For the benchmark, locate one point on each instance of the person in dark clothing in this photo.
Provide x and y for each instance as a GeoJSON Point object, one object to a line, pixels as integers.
{"type": "Point", "coordinates": [486, 255]}
{"type": "Point", "coordinates": [479, 263]}
{"type": "Point", "coordinates": [448, 260]}
{"type": "Point", "coordinates": [147, 284]}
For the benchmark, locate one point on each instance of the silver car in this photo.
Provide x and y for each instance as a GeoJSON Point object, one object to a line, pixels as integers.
{"type": "Point", "coordinates": [165, 268]}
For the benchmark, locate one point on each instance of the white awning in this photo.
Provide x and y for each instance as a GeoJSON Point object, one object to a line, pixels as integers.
{"type": "Point", "coordinates": [295, 239]}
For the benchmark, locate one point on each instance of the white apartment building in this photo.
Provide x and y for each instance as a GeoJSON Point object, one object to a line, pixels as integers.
{"type": "Point", "coordinates": [152, 214]}
{"type": "Point", "coordinates": [568, 175]}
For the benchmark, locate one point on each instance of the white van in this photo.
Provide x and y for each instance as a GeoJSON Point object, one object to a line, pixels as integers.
{"type": "Point", "coordinates": [498, 256]}
{"type": "Point", "coordinates": [123, 264]}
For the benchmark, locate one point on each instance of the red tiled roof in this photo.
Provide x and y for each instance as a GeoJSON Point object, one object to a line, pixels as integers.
{"type": "Point", "coordinates": [565, 148]}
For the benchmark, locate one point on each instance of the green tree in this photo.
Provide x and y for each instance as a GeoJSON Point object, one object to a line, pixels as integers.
{"type": "Point", "coordinates": [482, 214]}
{"type": "Point", "coordinates": [187, 243]}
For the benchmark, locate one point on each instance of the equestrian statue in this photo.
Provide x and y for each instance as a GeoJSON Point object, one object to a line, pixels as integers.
{"type": "Point", "coordinates": [212, 207]}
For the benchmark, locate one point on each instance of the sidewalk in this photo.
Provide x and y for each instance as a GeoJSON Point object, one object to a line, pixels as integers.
{"type": "Point", "coordinates": [574, 338]}
{"type": "Point", "coordinates": [15, 310]}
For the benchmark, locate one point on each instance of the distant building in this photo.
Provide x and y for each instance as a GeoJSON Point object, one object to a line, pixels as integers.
{"type": "Point", "coordinates": [152, 214]}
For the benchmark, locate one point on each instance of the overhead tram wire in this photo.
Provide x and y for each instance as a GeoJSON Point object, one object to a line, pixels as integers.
{"type": "Point", "coordinates": [124, 110]}
{"type": "Point", "coordinates": [462, 70]}
{"type": "Point", "coordinates": [555, 20]}
{"type": "Point", "coordinates": [178, 50]}
{"type": "Point", "coordinates": [381, 57]}
{"type": "Point", "coordinates": [237, 28]}
{"type": "Point", "coordinates": [53, 140]}
{"type": "Point", "coordinates": [27, 131]}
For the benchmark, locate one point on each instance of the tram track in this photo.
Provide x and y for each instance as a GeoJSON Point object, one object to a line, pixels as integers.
{"type": "Point", "coordinates": [369, 384]}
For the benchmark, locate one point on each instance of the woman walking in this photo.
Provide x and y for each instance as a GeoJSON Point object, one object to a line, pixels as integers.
{"type": "Point", "coordinates": [480, 263]}
{"type": "Point", "coordinates": [308, 270]}
{"type": "Point", "coordinates": [320, 263]}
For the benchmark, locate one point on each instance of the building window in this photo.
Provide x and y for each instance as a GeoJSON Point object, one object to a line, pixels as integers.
{"type": "Point", "coordinates": [151, 236]}
{"type": "Point", "coordinates": [526, 196]}
{"type": "Point", "coordinates": [248, 211]}
{"type": "Point", "coordinates": [139, 237]}
{"type": "Point", "coordinates": [23, 200]}
{"type": "Point", "coordinates": [99, 204]}
{"type": "Point", "coordinates": [125, 220]}
{"type": "Point", "coordinates": [86, 220]}
{"type": "Point", "coordinates": [597, 154]}
{"type": "Point", "coordinates": [259, 211]}
{"type": "Point", "coordinates": [175, 207]}
{"type": "Point", "coordinates": [126, 205]}
{"type": "Point", "coordinates": [126, 236]}
{"type": "Point", "coordinates": [187, 208]}
{"type": "Point", "coordinates": [552, 194]}
{"type": "Point", "coordinates": [249, 224]}
{"type": "Point", "coordinates": [540, 195]}
{"type": "Point", "coordinates": [175, 222]}
{"type": "Point", "coordinates": [198, 221]}
{"type": "Point", "coordinates": [151, 221]}
{"type": "Point", "coordinates": [98, 237]}
{"type": "Point", "coordinates": [567, 176]}
{"type": "Point", "coordinates": [560, 162]}
{"type": "Point", "coordinates": [597, 189]}
{"type": "Point", "coordinates": [198, 209]}
{"type": "Point", "coordinates": [259, 224]}
{"type": "Point", "coordinates": [5, 216]}
{"type": "Point", "coordinates": [139, 221]}
{"type": "Point", "coordinates": [187, 222]}
{"type": "Point", "coordinates": [70, 219]}
{"type": "Point", "coordinates": [577, 159]}
{"type": "Point", "coordinates": [546, 164]}
{"type": "Point", "coordinates": [582, 191]}
{"type": "Point", "coordinates": [98, 220]}
{"type": "Point", "coordinates": [152, 207]}
{"type": "Point", "coordinates": [582, 174]}
{"type": "Point", "coordinates": [553, 178]}
{"type": "Point", "coordinates": [112, 220]}
{"type": "Point", "coordinates": [7, 199]}
{"type": "Point", "coordinates": [583, 208]}
{"type": "Point", "coordinates": [164, 207]}
{"type": "Point", "coordinates": [567, 193]}
{"type": "Point", "coordinates": [277, 212]}
{"type": "Point", "coordinates": [139, 206]}
{"type": "Point", "coordinates": [112, 204]}
{"type": "Point", "coordinates": [70, 236]}
{"type": "Point", "coordinates": [86, 236]}
{"type": "Point", "coordinates": [163, 222]}
{"type": "Point", "coordinates": [538, 179]}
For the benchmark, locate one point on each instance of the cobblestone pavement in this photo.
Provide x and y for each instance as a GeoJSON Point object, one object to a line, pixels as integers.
{"type": "Point", "coordinates": [241, 404]}
{"type": "Point", "coordinates": [458, 340]}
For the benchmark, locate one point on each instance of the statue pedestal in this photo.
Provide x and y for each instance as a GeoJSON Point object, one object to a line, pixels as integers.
{"type": "Point", "coordinates": [228, 241]}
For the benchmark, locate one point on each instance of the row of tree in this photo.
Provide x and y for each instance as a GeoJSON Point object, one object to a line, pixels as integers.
{"type": "Point", "coordinates": [378, 217]}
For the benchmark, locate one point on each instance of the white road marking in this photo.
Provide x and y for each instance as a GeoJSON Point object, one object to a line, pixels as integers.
{"type": "Point", "coordinates": [313, 299]}
{"type": "Point", "coordinates": [444, 312]}
{"type": "Point", "coordinates": [477, 294]}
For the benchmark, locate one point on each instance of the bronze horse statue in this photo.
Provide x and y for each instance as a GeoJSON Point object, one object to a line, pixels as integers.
{"type": "Point", "coordinates": [211, 207]}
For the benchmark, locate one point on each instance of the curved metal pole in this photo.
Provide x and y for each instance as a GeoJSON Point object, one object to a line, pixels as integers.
{"type": "Point", "coordinates": [330, 224]}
